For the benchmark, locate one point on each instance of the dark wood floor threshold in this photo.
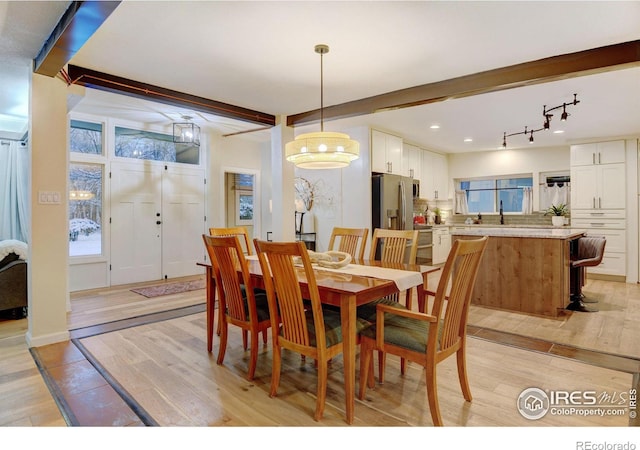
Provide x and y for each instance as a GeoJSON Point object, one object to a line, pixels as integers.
{"type": "Point", "coordinates": [136, 321]}
{"type": "Point", "coordinates": [604, 360]}
{"type": "Point", "coordinates": [67, 414]}
{"type": "Point", "coordinates": [137, 409]}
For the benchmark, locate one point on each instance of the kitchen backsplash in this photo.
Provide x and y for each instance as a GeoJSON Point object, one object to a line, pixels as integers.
{"type": "Point", "coordinates": [494, 219]}
{"type": "Point", "coordinates": [537, 218]}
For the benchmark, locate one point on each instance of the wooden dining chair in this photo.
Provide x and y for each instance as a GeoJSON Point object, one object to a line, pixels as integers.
{"type": "Point", "coordinates": [243, 235]}
{"type": "Point", "coordinates": [241, 232]}
{"type": "Point", "coordinates": [428, 339]}
{"type": "Point", "coordinates": [240, 304]}
{"type": "Point", "coordinates": [309, 330]}
{"type": "Point", "coordinates": [348, 240]}
{"type": "Point", "coordinates": [396, 246]}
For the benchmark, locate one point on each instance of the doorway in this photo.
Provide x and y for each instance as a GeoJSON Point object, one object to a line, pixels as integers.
{"type": "Point", "coordinates": [241, 201]}
{"type": "Point", "coordinates": [157, 221]}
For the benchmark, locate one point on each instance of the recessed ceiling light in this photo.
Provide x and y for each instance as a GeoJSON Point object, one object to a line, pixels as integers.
{"type": "Point", "coordinates": [468, 140]}
{"type": "Point", "coordinates": [558, 131]}
{"type": "Point", "coordinates": [434, 127]}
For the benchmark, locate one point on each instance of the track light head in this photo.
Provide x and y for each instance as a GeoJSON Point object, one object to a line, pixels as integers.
{"type": "Point", "coordinates": [547, 120]}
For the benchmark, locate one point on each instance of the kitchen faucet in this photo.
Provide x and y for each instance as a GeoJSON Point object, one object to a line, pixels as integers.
{"type": "Point", "coordinates": [501, 214]}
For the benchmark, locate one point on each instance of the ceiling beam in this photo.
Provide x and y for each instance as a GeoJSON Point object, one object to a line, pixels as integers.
{"type": "Point", "coordinates": [554, 68]}
{"type": "Point", "coordinates": [112, 83]}
{"type": "Point", "coordinates": [75, 27]}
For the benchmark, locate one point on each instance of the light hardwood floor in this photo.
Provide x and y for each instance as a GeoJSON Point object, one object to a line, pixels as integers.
{"type": "Point", "coordinates": [164, 366]}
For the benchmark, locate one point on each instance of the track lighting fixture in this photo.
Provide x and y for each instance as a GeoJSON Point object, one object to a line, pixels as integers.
{"type": "Point", "coordinates": [546, 113]}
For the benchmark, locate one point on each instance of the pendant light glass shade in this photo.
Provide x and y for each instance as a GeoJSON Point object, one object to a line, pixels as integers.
{"type": "Point", "coordinates": [322, 150]}
{"type": "Point", "coordinates": [186, 133]}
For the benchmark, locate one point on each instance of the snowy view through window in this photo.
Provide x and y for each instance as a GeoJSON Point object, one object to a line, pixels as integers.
{"type": "Point", "coordinates": [85, 191]}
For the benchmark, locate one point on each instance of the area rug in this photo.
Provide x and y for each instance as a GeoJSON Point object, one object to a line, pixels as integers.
{"type": "Point", "coordinates": [170, 288]}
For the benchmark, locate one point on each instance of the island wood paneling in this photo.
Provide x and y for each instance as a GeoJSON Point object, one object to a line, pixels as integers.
{"type": "Point", "coordinates": [524, 274]}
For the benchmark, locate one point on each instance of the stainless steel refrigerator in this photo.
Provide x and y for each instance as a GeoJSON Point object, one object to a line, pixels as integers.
{"type": "Point", "coordinates": [392, 202]}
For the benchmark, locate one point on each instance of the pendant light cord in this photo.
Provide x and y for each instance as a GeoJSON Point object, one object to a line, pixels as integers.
{"type": "Point", "coordinates": [321, 93]}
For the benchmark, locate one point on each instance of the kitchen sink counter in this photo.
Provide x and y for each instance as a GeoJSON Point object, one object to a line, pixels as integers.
{"type": "Point", "coordinates": [518, 232]}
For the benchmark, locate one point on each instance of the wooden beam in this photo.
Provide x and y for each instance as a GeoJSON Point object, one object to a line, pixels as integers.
{"type": "Point", "coordinates": [554, 68]}
{"type": "Point", "coordinates": [111, 83]}
{"type": "Point", "coordinates": [76, 26]}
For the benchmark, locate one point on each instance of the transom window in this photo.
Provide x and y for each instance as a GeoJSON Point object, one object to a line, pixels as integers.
{"type": "Point", "coordinates": [141, 144]}
{"type": "Point", "coordinates": [85, 137]}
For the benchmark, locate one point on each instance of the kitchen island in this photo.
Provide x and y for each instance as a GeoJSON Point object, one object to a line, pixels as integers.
{"type": "Point", "coordinates": [523, 269]}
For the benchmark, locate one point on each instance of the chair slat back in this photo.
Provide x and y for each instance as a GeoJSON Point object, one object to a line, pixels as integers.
{"type": "Point", "coordinates": [394, 245]}
{"type": "Point", "coordinates": [241, 232]}
{"type": "Point", "coordinates": [285, 294]}
{"type": "Point", "coordinates": [349, 238]}
{"type": "Point", "coordinates": [226, 256]}
{"type": "Point", "coordinates": [458, 276]}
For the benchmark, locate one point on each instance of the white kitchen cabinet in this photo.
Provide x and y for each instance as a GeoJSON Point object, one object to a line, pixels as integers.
{"type": "Point", "coordinates": [441, 244]}
{"type": "Point", "coordinates": [435, 176]}
{"type": "Point", "coordinates": [598, 153]}
{"type": "Point", "coordinates": [598, 187]}
{"type": "Point", "coordinates": [441, 182]}
{"type": "Point", "coordinates": [598, 193]}
{"type": "Point", "coordinates": [386, 153]}
{"type": "Point", "coordinates": [412, 162]}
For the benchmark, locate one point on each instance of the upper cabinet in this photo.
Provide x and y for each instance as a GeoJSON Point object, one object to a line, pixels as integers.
{"type": "Point", "coordinates": [386, 153]}
{"type": "Point", "coordinates": [435, 176]}
{"type": "Point", "coordinates": [390, 155]}
{"type": "Point", "coordinates": [598, 175]}
{"type": "Point", "coordinates": [412, 161]}
{"type": "Point", "coordinates": [598, 153]}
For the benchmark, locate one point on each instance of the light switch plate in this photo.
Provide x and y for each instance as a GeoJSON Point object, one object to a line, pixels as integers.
{"type": "Point", "coordinates": [49, 197]}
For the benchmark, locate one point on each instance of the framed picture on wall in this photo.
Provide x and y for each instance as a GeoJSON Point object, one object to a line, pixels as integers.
{"type": "Point", "coordinates": [244, 207]}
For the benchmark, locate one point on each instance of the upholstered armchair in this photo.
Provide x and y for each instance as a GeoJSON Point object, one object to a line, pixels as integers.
{"type": "Point", "coordinates": [13, 279]}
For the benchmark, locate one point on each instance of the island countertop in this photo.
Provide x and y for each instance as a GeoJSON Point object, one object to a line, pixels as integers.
{"type": "Point", "coordinates": [543, 233]}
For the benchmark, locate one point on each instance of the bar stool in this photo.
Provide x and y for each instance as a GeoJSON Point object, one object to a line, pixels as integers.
{"type": "Point", "coordinates": [590, 253]}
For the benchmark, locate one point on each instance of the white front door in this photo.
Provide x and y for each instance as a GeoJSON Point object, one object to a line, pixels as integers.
{"type": "Point", "coordinates": [136, 222]}
{"type": "Point", "coordinates": [157, 221]}
{"type": "Point", "coordinates": [183, 221]}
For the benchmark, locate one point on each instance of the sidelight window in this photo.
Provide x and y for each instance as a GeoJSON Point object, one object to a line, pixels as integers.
{"type": "Point", "coordinates": [85, 209]}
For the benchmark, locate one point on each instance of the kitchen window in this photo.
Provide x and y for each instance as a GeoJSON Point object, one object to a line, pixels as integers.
{"type": "Point", "coordinates": [484, 195]}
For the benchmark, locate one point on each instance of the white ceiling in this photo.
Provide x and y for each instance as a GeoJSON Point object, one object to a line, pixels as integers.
{"type": "Point", "coordinates": [259, 55]}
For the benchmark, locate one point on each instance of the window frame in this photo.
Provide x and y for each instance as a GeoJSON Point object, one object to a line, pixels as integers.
{"type": "Point", "coordinates": [94, 159]}
{"type": "Point", "coordinates": [496, 197]}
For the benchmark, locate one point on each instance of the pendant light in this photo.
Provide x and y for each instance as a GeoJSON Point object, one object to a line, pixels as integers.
{"type": "Point", "coordinates": [186, 132]}
{"type": "Point", "coordinates": [322, 149]}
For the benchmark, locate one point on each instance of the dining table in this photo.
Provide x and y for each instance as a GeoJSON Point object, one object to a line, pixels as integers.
{"type": "Point", "coordinates": [358, 283]}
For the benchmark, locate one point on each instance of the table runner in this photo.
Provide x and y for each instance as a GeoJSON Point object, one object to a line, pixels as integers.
{"type": "Point", "coordinates": [404, 279]}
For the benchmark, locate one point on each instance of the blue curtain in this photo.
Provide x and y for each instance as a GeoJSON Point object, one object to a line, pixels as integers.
{"type": "Point", "coordinates": [14, 190]}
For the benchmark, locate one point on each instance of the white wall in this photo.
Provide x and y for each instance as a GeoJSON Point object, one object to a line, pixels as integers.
{"type": "Point", "coordinates": [510, 162]}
